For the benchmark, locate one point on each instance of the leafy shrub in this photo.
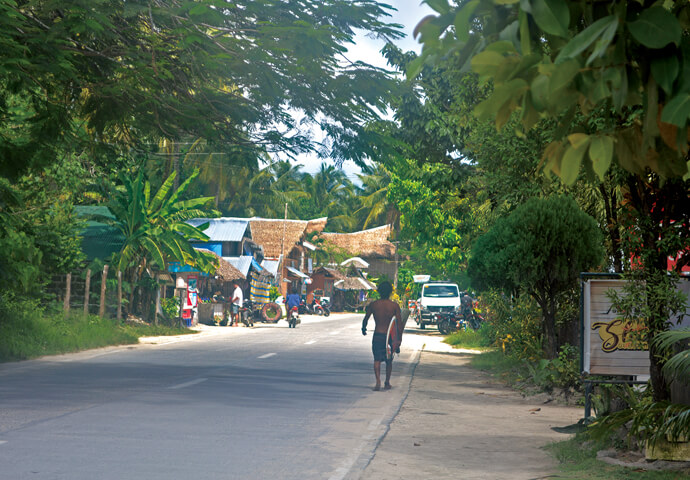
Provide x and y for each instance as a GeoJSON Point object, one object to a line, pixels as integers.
{"type": "Point", "coordinates": [562, 372]}
{"type": "Point", "coordinates": [171, 307]}
{"type": "Point", "coordinates": [513, 324]}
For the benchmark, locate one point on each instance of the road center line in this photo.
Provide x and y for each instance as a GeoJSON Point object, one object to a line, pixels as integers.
{"type": "Point", "coordinates": [187, 384]}
{"type": "Point", "coordinates": [267, 355]}
{"type": "Point", "coordinates": [310, 342]}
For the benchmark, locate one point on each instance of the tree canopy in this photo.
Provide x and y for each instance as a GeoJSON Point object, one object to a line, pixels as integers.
{"type": "Point", "coordinates": [110, 74]}
{"type": "Point", "coordinates": [624, 62]}
{"type": "Point", "coordinates": [540, 249]}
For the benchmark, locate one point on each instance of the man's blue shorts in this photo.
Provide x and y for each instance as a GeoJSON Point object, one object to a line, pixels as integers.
{"type": "Point", "coordinates": [235, 308]}
{"type": "Point", "coordinates": [378, 347]}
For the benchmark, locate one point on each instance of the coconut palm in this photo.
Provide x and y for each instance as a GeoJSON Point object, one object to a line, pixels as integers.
{"type": "Point", "coordinates": [375, 208]}
{"type": "Point", "coordinates": [329, 194]}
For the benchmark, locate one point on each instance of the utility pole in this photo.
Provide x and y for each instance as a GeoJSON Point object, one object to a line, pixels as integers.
{"type": "Point", "coordinates": [282, 253]}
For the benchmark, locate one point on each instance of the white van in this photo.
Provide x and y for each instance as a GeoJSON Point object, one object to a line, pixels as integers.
{"type": "Point", "coordinates": [437, 297]}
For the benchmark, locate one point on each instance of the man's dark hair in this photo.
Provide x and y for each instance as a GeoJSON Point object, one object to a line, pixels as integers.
{"type": "Point", "coordinates": [385, 289]}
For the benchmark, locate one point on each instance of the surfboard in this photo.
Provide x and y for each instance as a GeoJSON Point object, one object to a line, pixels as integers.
{"type": "Point", "coordinates": [392, 338]}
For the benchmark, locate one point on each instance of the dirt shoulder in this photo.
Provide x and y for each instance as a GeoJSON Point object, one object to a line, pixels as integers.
{"type": "Point", "coordinates": [459, 423]}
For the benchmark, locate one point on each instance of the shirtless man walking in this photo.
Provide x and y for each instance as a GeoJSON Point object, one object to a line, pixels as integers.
{"type": "Point", "coordinates": [383, 311]}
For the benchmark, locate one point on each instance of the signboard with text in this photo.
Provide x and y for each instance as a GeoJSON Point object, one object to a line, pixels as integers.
{"type": "Point", "coordinates": [612, 345]}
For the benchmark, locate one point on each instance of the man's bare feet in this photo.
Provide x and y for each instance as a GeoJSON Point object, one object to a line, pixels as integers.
{"type": "Point", "coordinates": [377, 387]}
{"type": "Point", "coordinates": [387, 386]}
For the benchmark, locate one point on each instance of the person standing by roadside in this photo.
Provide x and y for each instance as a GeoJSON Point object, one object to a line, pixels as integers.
{"type": "Point", "coordinates": [237, 299]}
{"type": "Point", "coordinates": [383, 310]}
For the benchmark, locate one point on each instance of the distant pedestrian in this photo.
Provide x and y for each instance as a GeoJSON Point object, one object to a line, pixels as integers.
{"type": "Point", "coordinates": [237, 299]}
{"type": "Point", "coordinates": [383, 310]}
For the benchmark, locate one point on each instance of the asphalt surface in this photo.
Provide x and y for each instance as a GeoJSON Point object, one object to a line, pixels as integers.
{"type": "Point", "coordinates": [269, 402]}
{"type": "Point", "coordinates": [231, 402]}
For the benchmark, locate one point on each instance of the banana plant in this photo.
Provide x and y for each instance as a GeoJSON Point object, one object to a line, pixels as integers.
{"type": "Point", "coordinates": [154, 225]}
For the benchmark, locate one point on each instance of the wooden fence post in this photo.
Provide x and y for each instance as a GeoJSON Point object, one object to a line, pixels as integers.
{"type": "Point", "coordinates": [68, 292]}
{"type": "Point", "coordinates": [119, 295]}
{"type": "Point", "coordinates": [158, 304]}
{"type": "Point", "coordinates": [181, 306]}
{"type": "Point", "coordinates": [104, 278]}
{"type": "Point", "coordinates": [87, 288]}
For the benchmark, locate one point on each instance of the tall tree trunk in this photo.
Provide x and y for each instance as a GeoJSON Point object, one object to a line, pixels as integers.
{"type": "Point", "coordinates": [612, 226]}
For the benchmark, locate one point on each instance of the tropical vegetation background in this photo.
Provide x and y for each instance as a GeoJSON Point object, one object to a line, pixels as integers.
{"type": "Point", "coordinates": [529, 141]}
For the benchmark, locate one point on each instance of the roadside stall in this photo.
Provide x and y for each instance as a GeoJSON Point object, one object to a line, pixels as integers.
{"type": "Point", "coordinates": [207, 297]}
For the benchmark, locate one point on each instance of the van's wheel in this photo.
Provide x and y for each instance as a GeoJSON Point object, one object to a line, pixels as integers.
{"type": "Point", "coordinates": [271, 312]}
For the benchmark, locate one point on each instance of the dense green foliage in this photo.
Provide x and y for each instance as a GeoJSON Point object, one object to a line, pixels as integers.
{"type": "Point", "coordinates": [539, 249]}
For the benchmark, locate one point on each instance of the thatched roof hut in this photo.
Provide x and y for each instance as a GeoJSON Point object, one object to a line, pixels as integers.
{"type": "Point", "coordinates": [329, 272]}
{"type": "Point", "coordinates": [372, 243]}
{"type": "Point", "coordinates": [225, 270]}
{"type": "Point", "coordinates": [269, 233]}
{"type": "Point", "coordinates": [354, 283]}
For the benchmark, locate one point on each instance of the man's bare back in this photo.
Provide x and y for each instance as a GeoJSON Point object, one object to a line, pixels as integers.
{"type": "Point", "coordinates": [383, 311]}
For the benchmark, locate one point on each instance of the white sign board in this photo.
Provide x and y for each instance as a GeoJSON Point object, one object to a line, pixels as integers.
{"type": "Point", "coordinates": [421, 278]}
{"type": "Point", "coordinates": [611, 346]}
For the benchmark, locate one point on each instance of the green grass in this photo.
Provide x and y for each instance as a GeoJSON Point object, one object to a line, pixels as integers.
{"type": "Point", "coordinates": [578, 462]}
{"type": "Point", "coordinates": [466, 339]}
{"type": "Point", "coordinates": [496, 363]}
{"type": "Point", "coordinates": [30, 334]}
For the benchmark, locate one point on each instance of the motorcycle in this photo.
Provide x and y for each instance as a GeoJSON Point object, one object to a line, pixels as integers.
{"type": "Point", "coordinates": [326, 305]}
{"type": "Point", "coordinates": [449, 322]}
{"type": "Point", "coordinates": [247, 313]}
{"type": "Point", "coordinates": [473, 319]}
{"type": "Point", "coordinates": [313, 308]}
{"type": "Point", "coordinates": [293, 319]}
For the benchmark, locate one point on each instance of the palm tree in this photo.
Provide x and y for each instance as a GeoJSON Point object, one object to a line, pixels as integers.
{"type": "Point", "coordinates": [274, 186]}
{"type": "Point", "coordinates": [375, 208]}
{"type": "Point", "coordinates": [329, 194]}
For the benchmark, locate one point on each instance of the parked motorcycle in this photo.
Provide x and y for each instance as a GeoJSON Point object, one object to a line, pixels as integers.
{"type": "Point", "coordinates": [326, 305]}
{"type": "Point", "coordinates": [473, 319]}
{"type": "Point", "coordinates": [293, 318]}
{"type": "Point", "coordinates": [247, 313]}
{"type": "Point", "coordinates": [449, 322]}
{"type": "Point", "coordinates": [313, 308]}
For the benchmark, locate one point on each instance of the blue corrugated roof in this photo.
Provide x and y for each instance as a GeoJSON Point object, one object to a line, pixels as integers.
{"type": "Point", "coordinates": [242, 263]}
{"type": "Point", "coordinates": [223, 229]}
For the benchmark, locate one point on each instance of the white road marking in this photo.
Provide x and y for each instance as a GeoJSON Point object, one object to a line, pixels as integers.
{"type": "Point", "coordinates": [336, 332]}
{"type": "Point", "coordinates": [267, 355]}
{"type": "Point", "coordinates": [310, 342]}
{"type": "Point", "coordinates": [3, 441]}
{"type": "Point", "coordinates": [188, 384]}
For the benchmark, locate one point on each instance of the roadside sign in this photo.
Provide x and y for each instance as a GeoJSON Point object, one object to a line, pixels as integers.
{"type": "Point", "coordinates": [421, 278]}
{"type": "Point", "coordinates": [611, 345]}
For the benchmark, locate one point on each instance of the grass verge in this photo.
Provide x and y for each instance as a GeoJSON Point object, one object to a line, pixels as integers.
{"type": "Point", "coordinates": [29, 335]}
{"type": "Point", "coordinates": [578, 461]}
{"type": "Point", "coordinates": [467, 339]}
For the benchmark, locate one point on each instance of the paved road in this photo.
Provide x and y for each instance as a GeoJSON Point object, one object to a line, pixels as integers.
{"type": "Point", "coordinates": [267, 402]}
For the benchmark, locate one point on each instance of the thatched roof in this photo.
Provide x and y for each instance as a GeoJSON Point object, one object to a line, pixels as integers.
{"type": "Point", "coordinates": [225, 270]}
{"type": "Point", "coordinates": [366, 243]}
{"type": "Point", "coordinates": [354, 283]}
{"type": "Point", "coordinates": [329, 272]}
{"type": "Point", "coordinates": [269, 233]}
